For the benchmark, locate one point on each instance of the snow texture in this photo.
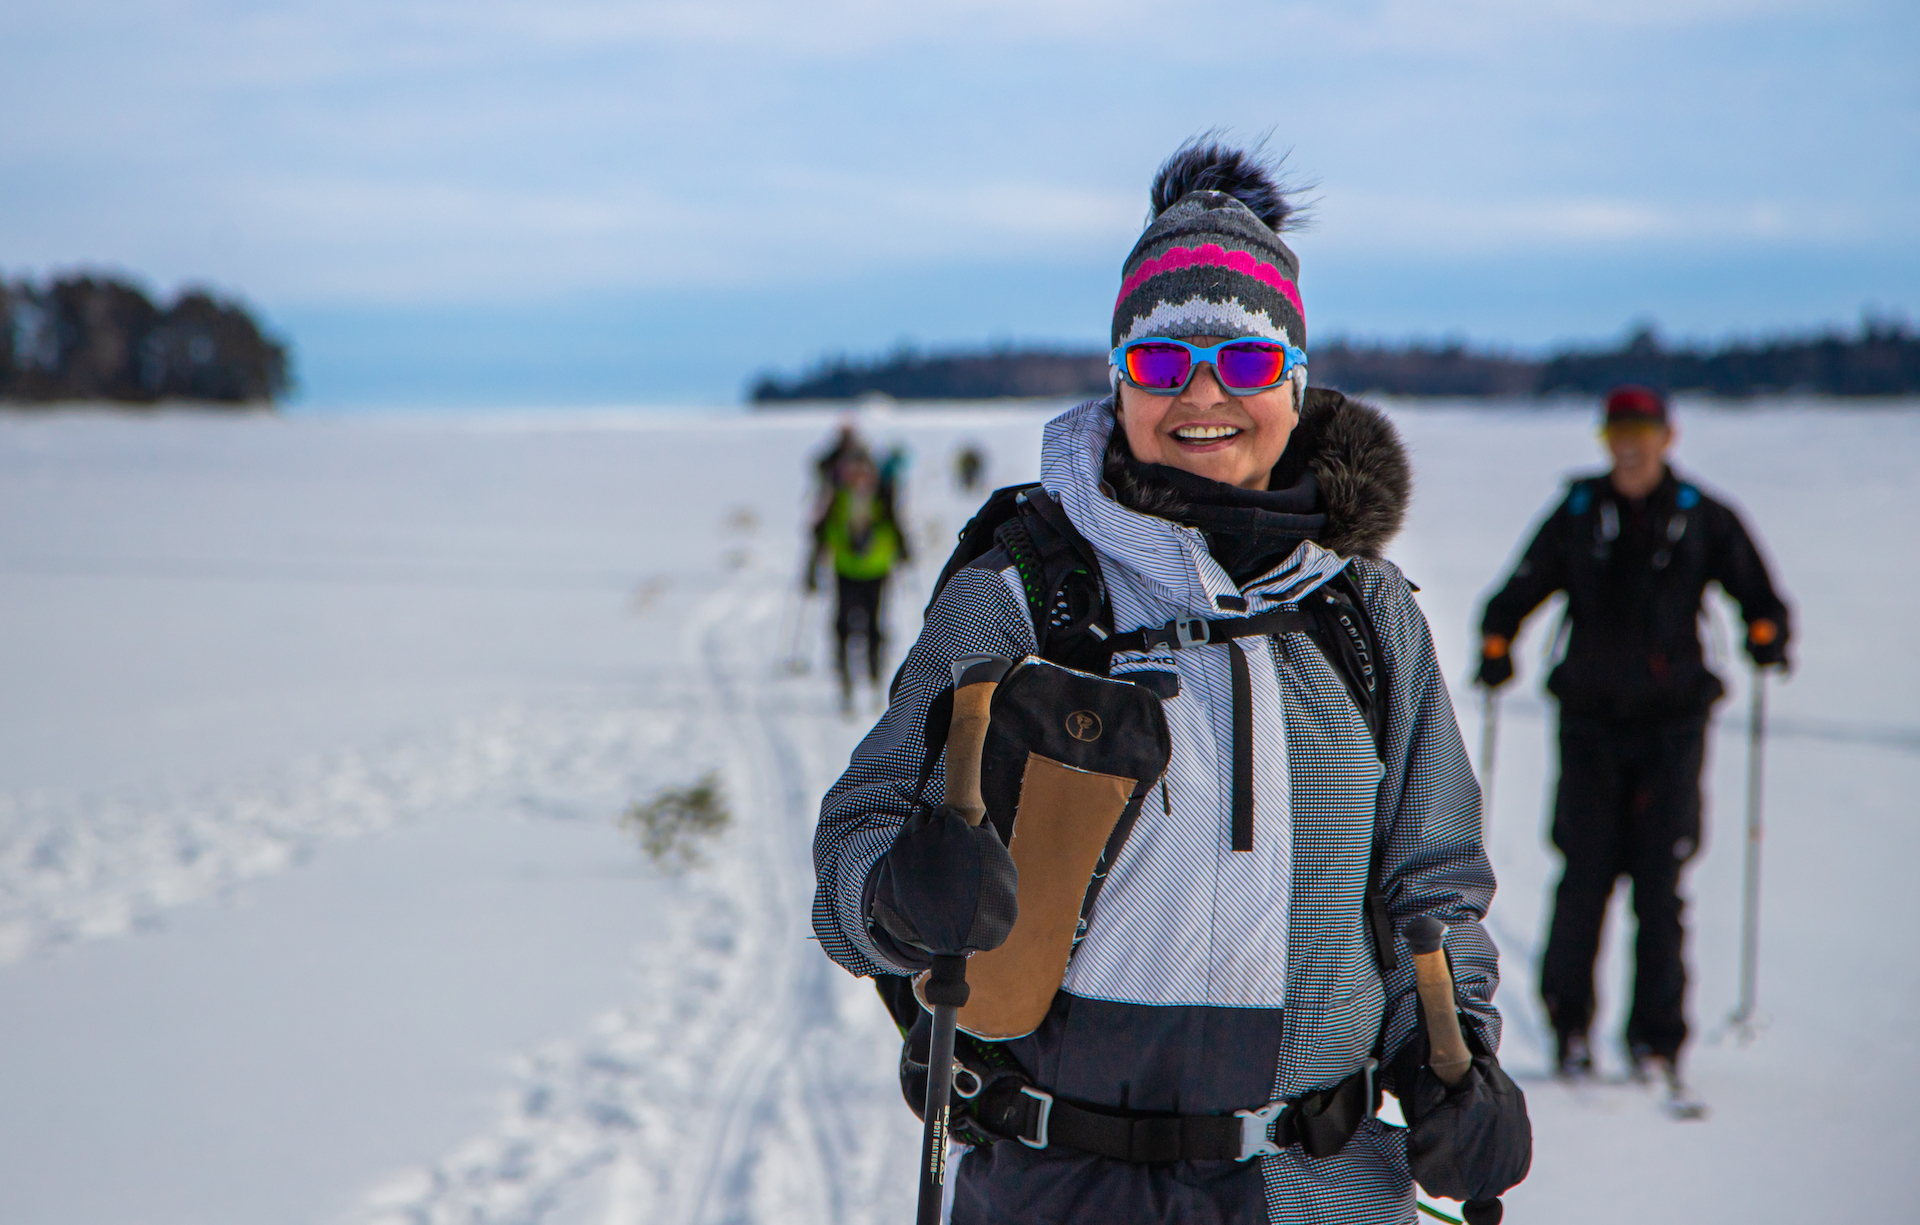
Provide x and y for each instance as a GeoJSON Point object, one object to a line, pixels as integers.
{"type": "Point", "coordinates": [314, 907]}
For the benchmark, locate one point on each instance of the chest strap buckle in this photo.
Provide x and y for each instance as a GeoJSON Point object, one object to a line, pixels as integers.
{"type": "Point", "coordinates": [1180, 634]}
{"type": "Point", "coordinates": [1191, 632]}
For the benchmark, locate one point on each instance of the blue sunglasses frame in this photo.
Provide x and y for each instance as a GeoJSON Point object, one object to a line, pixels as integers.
{"type": "Point", "coordinates": [1210, 355]}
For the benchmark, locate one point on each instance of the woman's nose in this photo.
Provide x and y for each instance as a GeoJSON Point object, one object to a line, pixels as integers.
{"type": "Point", "coordinates": [1204, 387]}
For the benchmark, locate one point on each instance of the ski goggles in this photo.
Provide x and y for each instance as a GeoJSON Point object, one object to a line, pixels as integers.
{"type": "Point", "coordinates": [1163, 366]}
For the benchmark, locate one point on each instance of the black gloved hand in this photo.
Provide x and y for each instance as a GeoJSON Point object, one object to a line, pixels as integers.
{"type": "Point", "coordinates": [1767, 644]}
{"type": "Point", "coordinates": [1496, 662]}
{"type": "Point", "coordinates": [1470, 1142]}
{"type": "Point", "coordinates": [945, 888]}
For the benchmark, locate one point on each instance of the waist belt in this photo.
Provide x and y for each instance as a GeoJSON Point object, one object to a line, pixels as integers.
{"type": "Point", "coordinates": [1185, 633]}
{"type": "Point", "coordinates": [1321, 1123]}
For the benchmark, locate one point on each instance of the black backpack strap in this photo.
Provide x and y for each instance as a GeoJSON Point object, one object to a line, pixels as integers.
{"type": "Point", "coordinates": [1060, 577]}
{"type": "Point", "coordinates": [1366, 674]}
{"type": "Point", "coordinates": [1343, 631]}
{"type": "Point", "coordinates": [978, 538]}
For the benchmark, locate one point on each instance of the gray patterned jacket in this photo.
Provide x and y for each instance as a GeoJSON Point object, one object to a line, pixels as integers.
{"type": "Point", "coordinates": [1209, 979]}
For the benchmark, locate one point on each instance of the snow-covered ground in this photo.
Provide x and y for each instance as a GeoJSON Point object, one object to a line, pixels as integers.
{"type": "Point", "coordinates": [314, 906]}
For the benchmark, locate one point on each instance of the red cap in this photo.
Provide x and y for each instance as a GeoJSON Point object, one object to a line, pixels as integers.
{"type": "Point", "coordinates": [1636, 404]}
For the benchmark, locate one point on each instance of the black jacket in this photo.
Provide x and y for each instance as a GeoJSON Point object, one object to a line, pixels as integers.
{"type": "Point", "coordinates": [1634, 574]}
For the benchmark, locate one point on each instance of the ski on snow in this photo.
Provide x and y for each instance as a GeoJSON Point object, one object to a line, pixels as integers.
{"type": "Point", "coordinates": [1677, 1099]}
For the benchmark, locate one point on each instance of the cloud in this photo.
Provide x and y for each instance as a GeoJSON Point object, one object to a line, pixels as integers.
{"type": "Point", "coordinates": [483, 150]}
{"type": "Point", "coordinates": [1376, 223]}
{"type": "Point", "coordinates": [465, 241]}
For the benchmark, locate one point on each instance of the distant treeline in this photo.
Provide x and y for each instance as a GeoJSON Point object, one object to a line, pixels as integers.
{"type": "Point", "coordinates": [910, 375]}
{"type": "Point", "coordinates": [1883, 359]}
{"type": "Point", "coordinates": [97, 338]}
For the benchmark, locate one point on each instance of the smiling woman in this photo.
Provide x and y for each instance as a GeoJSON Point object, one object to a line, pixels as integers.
{"type": "Point", "coordinates": [1234, 984]}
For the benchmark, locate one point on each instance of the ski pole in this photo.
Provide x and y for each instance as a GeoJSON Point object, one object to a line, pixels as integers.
{"type": "Point", "coordinates": [974, 679]}
{"type": "Point", "coordinates": [799, 648]}
{"type": "Point", "coordinates": [1743, 1016]}
{"type": "Point", "coordinates": [790, 609]}
{"type": "Point", "coordinates": [1489, 743]}
{"type": "Point", "coordinates": [1447, 1048]}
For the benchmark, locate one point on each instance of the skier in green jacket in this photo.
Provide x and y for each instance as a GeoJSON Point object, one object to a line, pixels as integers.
{"type": "Point", "coordinates": [859, 529]}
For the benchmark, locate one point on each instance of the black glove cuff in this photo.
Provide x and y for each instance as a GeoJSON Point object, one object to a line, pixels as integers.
{"type": "Point", "coordinates": [901, 954]}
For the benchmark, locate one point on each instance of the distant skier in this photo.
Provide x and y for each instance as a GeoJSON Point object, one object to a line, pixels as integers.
{"type": "Point", "coordinates": [893, 468]}
{"type": "Point", "coordinates": [1206, 539]}
{"type": "Point", "coordinates": [969, 468]}
{"type": "Point", "coordinates": [826, 465]}
{"type": "Point", "coordinates": [1634, 549]}
{"type": "Point", "coordinates": [858, 529]}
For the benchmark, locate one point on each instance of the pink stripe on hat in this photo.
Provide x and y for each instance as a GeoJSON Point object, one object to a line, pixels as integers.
{"type": "Point", "coordinates": [1215, 255]}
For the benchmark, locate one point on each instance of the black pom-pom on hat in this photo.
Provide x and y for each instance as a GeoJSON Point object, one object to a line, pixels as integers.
{"type": "Point", "coordinates": [1204, 164]}
{"type": "Point", "coordinates": [1211, 261]}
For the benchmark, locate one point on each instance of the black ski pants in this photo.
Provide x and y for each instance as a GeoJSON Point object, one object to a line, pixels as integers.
{"type": "Point", "coordinates": [858, 612]}
{"type": "Point", "coordinates": [1628, 805]}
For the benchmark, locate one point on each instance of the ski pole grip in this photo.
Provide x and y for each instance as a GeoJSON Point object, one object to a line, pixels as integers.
{"type": "Point", "coordinates": [975, 677]}
{"type": "Point", "coordinates": [1433, 980]}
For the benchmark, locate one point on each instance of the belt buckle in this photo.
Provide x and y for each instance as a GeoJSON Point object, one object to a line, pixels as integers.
{"type": "Point", "coordinates": [1190, 632]}
{"type": "Point", "coordinates": [1046, 1108]}
{"type": "Point", "coordinates": [1254, 1125]}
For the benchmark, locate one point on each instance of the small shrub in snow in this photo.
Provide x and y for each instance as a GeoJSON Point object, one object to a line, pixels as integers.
{"type": "Point", "coordinates": [674, 823]}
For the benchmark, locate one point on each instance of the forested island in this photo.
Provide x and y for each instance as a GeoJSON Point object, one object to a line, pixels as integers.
{"type": "Point", "coordinates": [1881, 359]}
{"type": "Point", "coordinates": [102, 339]}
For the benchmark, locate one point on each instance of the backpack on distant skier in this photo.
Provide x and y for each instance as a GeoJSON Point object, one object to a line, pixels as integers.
{"type": "Point", "coordinates": [1073, 624]}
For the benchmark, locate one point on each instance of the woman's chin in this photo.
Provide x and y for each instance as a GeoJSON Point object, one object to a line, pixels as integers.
{"type": "Point", "coordinates": [1224, 464]}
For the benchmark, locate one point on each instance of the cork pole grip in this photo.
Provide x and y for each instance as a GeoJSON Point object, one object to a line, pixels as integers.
{"type": "Point", "coordinates": [1433, 979]}
{"type": "Point", "coordinates": [966, 739]}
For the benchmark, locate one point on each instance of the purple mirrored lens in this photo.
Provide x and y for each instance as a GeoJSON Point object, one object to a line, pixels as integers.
{"type": "Point", "coordinates": [1255, 365]}
{"type": "Point", "coordinates": [1158, 366]}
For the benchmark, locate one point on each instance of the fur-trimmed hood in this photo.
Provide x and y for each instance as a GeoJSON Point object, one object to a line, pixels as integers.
{"type": "Point", "coordinates": [1352, 450]}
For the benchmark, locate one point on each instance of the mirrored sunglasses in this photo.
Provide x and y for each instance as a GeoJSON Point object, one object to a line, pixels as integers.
{"type": "Point", "coordinates": [1164, 366]}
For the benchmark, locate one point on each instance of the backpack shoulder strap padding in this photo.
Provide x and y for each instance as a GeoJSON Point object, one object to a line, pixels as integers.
{"type": "Point", "coordinates": [1342, 629]}
{"type": "Point", "coordinates": [978, 537]}
{"type": "Point", "coordinates": [1059, 573]}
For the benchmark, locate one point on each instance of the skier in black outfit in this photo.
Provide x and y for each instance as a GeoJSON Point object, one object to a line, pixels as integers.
{"type": "Point", "coordinates": [1633, 549]}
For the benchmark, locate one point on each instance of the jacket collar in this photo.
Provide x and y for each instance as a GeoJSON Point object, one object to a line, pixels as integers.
{"type": "Point", "coordinates": [1168, 559]}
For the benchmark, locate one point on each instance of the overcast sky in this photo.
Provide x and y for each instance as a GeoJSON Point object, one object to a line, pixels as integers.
{"type": "Point", "coordinates": [583, 201]}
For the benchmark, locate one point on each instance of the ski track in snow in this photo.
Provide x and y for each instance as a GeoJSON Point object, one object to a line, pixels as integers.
{"type": "Point", "coordinates": [742, 1084]}
{"type": "Point", "coordinates": [75, 868]}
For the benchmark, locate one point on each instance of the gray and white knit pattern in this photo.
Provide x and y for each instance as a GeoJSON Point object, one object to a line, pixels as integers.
{"type": "Point", "coordinates": [1182, 919]}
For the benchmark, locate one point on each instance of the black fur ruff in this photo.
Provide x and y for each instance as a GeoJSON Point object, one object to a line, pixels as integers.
{"type": "Point", "coordinates": [1353, 452]}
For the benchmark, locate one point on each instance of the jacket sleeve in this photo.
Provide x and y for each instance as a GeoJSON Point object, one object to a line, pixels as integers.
{"type": "Point", "coordinates": [976, 614]}
{"type": "Point", "coordinates": [1429, 820]}
{"type": "Point", "coordinates": [1540, 573]}
{"type": "Point", "coordinates": [1735, 563]}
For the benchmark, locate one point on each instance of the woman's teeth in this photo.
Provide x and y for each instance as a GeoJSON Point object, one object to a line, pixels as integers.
{"type": "Point", "coordinates": [1204, 433]}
